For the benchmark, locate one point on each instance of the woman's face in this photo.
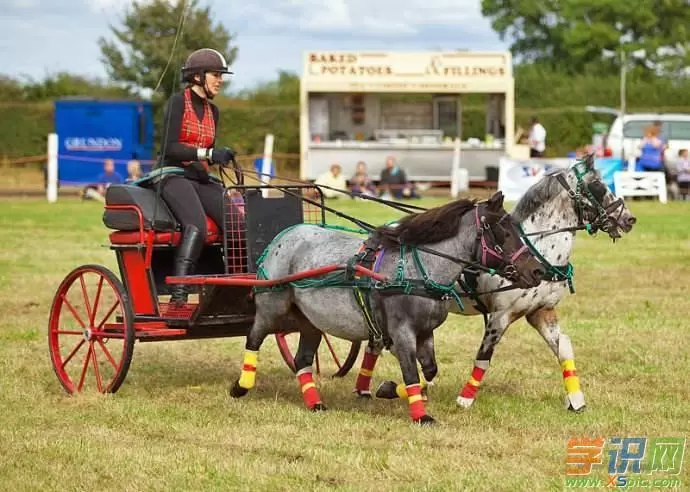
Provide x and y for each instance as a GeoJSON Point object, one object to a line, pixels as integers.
{"type": "Point", "coordinates": [214, 80]}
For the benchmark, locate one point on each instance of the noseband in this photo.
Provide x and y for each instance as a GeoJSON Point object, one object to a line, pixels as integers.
{"type": "Point", "coordinates": [506, 266]}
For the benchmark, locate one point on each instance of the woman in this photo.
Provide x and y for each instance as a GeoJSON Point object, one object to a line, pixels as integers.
{"type": "Point", "coordinates": [189, 142]}
{"type": "Point", "coordinates": [651, 151]}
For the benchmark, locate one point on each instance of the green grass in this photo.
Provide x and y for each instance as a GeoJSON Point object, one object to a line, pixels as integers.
{"type": "Point", "coordinates": [172, 425]}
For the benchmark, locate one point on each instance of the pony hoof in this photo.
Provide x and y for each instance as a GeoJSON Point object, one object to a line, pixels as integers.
{"type": "Point", "coordinates": [464, 402]}
{"type": "Point", "coordinates": [319, 407]}
{"type": "Point", "coordinates": [237, 391]}
{"type": "Point", "coordinates": [575, 402]}
{"type": "Point", "coordinates": [387, 391]}
{"type": "Point", "coordinates": [581, 409]}
{"type": "Point", "coordinates": [425, 420]}
{"type": "Point", "coordinates": [366, 395]}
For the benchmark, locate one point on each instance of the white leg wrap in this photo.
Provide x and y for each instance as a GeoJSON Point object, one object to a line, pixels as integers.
{"type": "Point", "coordinates": [565, 348]}
{"type": "Point", "coordinates": [574, 400]}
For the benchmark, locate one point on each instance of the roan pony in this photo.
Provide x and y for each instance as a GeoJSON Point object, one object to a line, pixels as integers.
{"type": "Point", "coordinates": [424, 255]}
{"type": "Point", "coordinates": [550, 212]}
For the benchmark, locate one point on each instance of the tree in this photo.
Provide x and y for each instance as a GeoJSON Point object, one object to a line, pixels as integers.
{"type": "Point", "coordinates": [143, 46]}
{"type": "Point", "coordinates": [64, 84]}
{"type": "Point", "coordinates": [575, 35]}
{"type": "Point", "coordinates": [10, 89]}
{"type": "Point", "coordinates": [281, 92]}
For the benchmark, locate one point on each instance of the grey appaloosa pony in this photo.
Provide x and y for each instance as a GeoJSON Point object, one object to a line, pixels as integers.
{"type": "Point", "coordinates": [550, 212]}
{"type": "Point", "coordinates": [424, 255]}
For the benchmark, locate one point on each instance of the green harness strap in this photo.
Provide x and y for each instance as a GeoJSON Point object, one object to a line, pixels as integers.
{"type": "Point", "coordinates": [558, 274]}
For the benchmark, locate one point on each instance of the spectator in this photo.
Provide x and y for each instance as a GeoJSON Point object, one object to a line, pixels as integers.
{"type": "Point", "coordinates": [333, 179]}
{"type": "Point", "coordinates": [683, 174]}
{"type": "Point", "coordinates": [537, 138]}
{"type": "Point", "coordinates": [360, 181]}
{"type": "Point", "coordinates": [109, 176]}
{"type": "Point", "coordinates": [133, 171]}
{"type": "Point", "coordinates": [651, 151]}
{"type": "Point", "coordinates": [394, 183]}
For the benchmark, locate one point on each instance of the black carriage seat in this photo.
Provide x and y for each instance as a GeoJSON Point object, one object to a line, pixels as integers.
{"type": "Point", "coordinates": [126, 220]}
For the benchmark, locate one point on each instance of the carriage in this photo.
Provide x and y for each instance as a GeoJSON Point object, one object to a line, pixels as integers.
{"type": "Point", "coordinates": [96, 317]}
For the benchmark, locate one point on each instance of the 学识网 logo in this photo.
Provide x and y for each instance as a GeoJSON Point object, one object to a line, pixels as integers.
{"type": "Point", "coordinates": [628, 461]}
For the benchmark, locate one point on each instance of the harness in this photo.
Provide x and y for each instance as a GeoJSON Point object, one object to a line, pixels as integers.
{"type": "Point", "coordinates": [368, 292]}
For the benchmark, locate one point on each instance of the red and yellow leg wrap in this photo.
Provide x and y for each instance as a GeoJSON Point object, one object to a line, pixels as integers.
{"type": "Point", "coordinates": [415, 401]}
{"type": "Point", "coordinates": [570, 379]}
{"type": "Point", "coordinates": [308, 386]}
{"type": "Point", "coordinates": [366, 371]}
{"type": "Point", "coordinates": [401, 389]}
{"type": "Point", "coordinates": [472, 385]}
{"type": "Point", "coordinates": [248, 376]}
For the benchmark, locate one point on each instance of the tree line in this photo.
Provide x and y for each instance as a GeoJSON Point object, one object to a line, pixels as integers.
{"type": "Point", "coordinates": [567, 54]}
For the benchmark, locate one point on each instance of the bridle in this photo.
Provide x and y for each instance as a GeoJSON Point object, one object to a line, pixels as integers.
{"type": "Point", "coordinates": [484, 252]}
{"type": "Point", "coordinates": [585, 202]}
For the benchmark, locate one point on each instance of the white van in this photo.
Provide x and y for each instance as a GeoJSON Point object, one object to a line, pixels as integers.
{"type": "Point", "coordinates": [625, 134]}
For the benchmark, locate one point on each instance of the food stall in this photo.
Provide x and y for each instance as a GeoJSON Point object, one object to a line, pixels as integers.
{"type": "Point", "coordinates": [366, 106]}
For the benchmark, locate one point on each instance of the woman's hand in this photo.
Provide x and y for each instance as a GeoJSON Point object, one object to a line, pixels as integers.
{"type": "Point", "coordinates": [222, 156]}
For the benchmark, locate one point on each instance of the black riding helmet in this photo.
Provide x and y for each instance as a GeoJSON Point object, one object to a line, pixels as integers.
{"type": "Point", "coordinates": [202, 61]}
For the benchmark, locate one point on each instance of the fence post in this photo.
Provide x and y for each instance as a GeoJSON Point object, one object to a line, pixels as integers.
{"type": "Point", "coordinates": [266, 163]}
{"type": "Point", "coordinates": [52, 188]}
{"type": "Point", "coordinates": [455, 170]}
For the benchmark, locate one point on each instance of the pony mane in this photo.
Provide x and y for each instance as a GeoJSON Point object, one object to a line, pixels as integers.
{"type": "Point", "coordinates": [536, 195]}
{"type": "Point", "coordinates": [432, 226]}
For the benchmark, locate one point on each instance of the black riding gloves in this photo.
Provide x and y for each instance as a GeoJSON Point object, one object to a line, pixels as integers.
{"type": "Point", "coordinates": [222, 156]}
{"type": "Point", "coordinates": [197, 171]}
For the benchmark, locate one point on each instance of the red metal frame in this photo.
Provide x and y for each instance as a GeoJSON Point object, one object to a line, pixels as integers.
{"type": "Point", "coordinates": [252, 281]}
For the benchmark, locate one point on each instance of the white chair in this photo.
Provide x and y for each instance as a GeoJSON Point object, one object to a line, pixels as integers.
{"type": "Point", "coordinates": [635, 183]}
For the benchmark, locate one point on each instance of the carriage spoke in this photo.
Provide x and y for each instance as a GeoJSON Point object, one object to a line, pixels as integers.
{"type": "Point", "coordinates": [84, 368]}
{"type": "Point", "coordinates": [332, 350]}
{"type": "Point", "coordinates": [95, 301]}
{"type": "Point", "coordinates": [86, 296]}
{"type": "Point", "coordinates": [69, 332]}
{"type": "Point", "coordinates": [110, 311]}
{"type": "Point", "coordinates": [318, 365]}
{"type": "Point", "coordinates": [73, 311]}
{"type": "Point", "coordinates": [73, 353]}
{"type": "Point", "coordinates": [107, 353]}
{"type": "Point", "coordinates": [96, 370]}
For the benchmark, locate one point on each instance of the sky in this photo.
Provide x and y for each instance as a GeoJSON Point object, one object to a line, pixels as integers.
{"type": "Point", "coordinates": [41, 37]}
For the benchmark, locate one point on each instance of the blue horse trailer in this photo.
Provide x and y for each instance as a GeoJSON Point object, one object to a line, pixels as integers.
{"type": "Point", "coordinates": [92, 130]}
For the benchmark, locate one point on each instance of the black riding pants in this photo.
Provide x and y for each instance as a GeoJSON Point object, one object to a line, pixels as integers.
{"type": "Point", "coordinates": [190, 201]}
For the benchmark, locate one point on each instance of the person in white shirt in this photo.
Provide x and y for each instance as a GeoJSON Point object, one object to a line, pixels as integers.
{"type": "Point", "coordinates": [333, 179]}
{"type": "Point", "coordinates": [537, 139]}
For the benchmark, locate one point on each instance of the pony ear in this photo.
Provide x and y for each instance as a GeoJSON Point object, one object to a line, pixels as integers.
{"type": "Point", "coordinates": [496, 201]}
{"type": "Point", "coordinates": [589, 160]}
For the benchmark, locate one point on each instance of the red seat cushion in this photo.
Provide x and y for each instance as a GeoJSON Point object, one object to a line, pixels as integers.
{"type": "Point", "coordinates": [171, 238]}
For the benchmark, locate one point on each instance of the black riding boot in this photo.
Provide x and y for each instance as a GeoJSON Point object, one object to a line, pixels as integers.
{"type": "Point", "coordinates": [187, 254]}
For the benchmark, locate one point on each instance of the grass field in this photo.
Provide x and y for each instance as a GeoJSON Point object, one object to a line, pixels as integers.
{"type": "Point", "coordinates": [172, 425]}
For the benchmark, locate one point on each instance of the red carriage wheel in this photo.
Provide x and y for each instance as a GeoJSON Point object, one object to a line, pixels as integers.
{"type": "Point", "coordinates": [334, 356]}
{"type": "Point", "coordinates": [91, 331]}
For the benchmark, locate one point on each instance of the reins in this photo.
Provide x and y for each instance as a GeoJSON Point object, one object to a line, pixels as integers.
{"type": "Point", "coordinates": [372, 229]}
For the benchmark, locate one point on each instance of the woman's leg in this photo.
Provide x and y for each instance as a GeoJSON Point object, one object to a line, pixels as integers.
{"type": "Point", "coordinates": [181, 197]}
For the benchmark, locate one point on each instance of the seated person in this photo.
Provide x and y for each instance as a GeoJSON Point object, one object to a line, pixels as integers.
{"type": "Point", "coordinates": [96, 191]}
{"type": "Point", "coordinates": [394, 182]}
{"type": "Point", "coordinates": [133, 171]}
{"type": "Point", "coordinates": [334, 179]}
{"type": "Point", "coordinates": [683, 174]}
{"type": "Point", "coordinates": [360, 181]}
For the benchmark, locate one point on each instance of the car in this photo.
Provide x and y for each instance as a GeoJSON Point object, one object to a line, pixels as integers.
{"type": "Point", "coordinates": [626, 132]}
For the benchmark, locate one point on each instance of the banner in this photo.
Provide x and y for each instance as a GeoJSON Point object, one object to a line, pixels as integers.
{"type": "Point", "coordinates": [516, 176]}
